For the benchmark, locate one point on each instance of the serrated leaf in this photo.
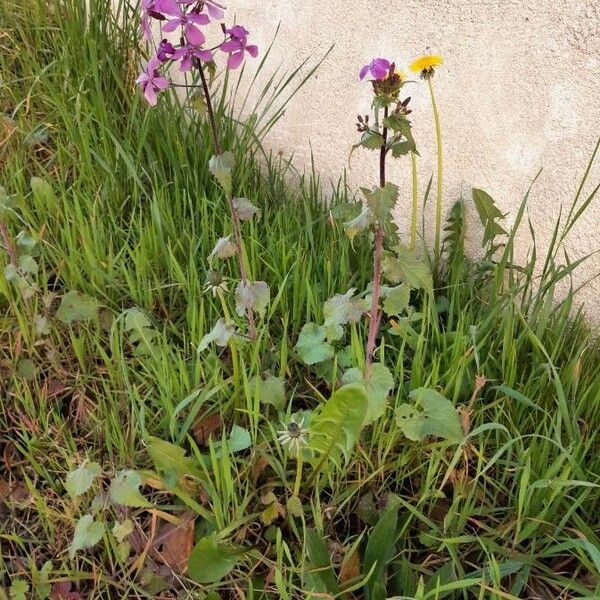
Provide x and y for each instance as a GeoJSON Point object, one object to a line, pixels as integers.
{"type": "Point", "coordinates": [171, 459]}
{"type": "Point", "coordinates": [371, 139]}
{"type": "Point", "coordinates": [18, 589]}
{"type": "Point", "coordinates": [212, 559]}
{"type": "Point", "coordinates": [339, 310]}
{"type": "Point", "coordinates": [80, 480]}
{"type": "Point", "coordinates": [122, 530]}
{"type": "Point", "coordinates": [396, 299]}
{"type": "Point", "coordinates": [221, 166]}
{"type": "Point", "coordinates": [140, 332]}
{"type": "Point", "coordinates": [358, 224]}
{"type": "Point", "coordinates": [311, 345]}
{"type": "Point", "coordinates": [489, 214]}
{"type": "Point", "coordinates": [431, 415]}
{"type": "Point", "coordinates": [224, 248]}
{"type": "Point", "coordinates": [220, 334]}
{"type": "Point", "coordinates": [125, 489]}
{"type": "Point", "coordinates": [75, 306]}
{"type": "Point", "coordinates": [87, 534]}
{"type": "Point", "coordinates": [378, 385]}
{"type": "Point", "coordinates": [25, 241]}
{"type": "Point", "coordinates": [245, 209]}
{"type": "Point", "coordinates": [270, 389]}
{"type": "Point", "coordinates": [381, 200]}
{"type": "Point", "coordinates": [405, 267]}
{"type": "Point", "coordinates": [253, 295]}
{"type": "Point", "coordinates": [337, 425]}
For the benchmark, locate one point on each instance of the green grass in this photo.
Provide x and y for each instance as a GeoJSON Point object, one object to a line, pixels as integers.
{"type": "Point", "coordinates": [131, 218]}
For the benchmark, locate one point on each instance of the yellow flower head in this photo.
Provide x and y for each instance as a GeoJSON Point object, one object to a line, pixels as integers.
{"type": "Point", "coordinates": [400, 75]}
{"type": "Point", "coordinates": [426, 65]}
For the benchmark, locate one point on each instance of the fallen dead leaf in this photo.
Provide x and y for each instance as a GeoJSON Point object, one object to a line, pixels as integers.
{"type": "Point", "coordinates": [350, 568]}
{"type": "Point", "coordinates": [62, 591]}
{"type": "Point", "coordinates": [206, 427]}
{"type": "Point", "coordinates": [173, 543]}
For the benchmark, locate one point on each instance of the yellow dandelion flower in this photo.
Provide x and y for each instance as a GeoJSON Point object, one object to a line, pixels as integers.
{"type": "Point", "coordinates": [426, 64]}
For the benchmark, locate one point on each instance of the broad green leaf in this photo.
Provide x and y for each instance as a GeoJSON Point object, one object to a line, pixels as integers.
{"type": "Point", "coordinates": [122, 530]}
{"type": "Point", "coordinates": [358, 224]}
{"type": "Point", "coordinates": [171, 459]}
{"type": "Point", "coordinates": [26, 368]}
{"type": "Point", "coordinates": [311, 345]}
{"type": "Point", "coordinates": [75, 306]}
{"type": "Point", "coordinates": [221, 166]}
{"type": "Point", "coordinates": [43, 192]}
{"type": "Point", "coordinates": [25, 241]}
{"type": "Point", "coordinates": [80, 480]}
{"type": "Point", "coordinates": [18, 589]}
{"type": "Point", "coordinates": [371, 139]}
{"type": "Point", "coordinates": [339, 310]}
{"type": "Point", "coordinates": [212, 559]}
{"type": "Point", "coordinates": [378, 386]}
{"type": "Point", "coordinates": [381, 200]}
{"type": "Point", "coordinates": [27, 264]}
{"type": "Point", "coordinates": [337, 425]}
{"type": "Point", "coordinates": [319, 575]}
{"type": "Point", "coordinates": [87, 534]}
{"type": "Point", "coordinates": [380, 550]}
{"type": "Point", "coordinates": [8, 202]}
{"type": "Point", "coordinates": [431, 415]}
{"type": "Point", "coordinates": [270, 389]}
{"type": "Point", "coordinates": [220, 334]}
{"type": "Point", "coordinates": [125, 489]}
{"type": "Point", "coordinates": [239, 439]}
{"type": "Point", "coordinates": [245, 209]}
{"type": "Point", "coordinates": [254, 295]}
{"type": "Point", "coordinates": [489, 214]}
{"type": "Point", "coordinates": [396, 299]}
{"type": "Point", "coordinates": [405, 267]}
{"type": "Point", "coordinates": [139, 330]}
{"type": "Point", "coordinates": [224, 248]}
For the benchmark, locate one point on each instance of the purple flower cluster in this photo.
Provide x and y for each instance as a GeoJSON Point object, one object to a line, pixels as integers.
{"type": "Point", "coordinates": [187, 17]}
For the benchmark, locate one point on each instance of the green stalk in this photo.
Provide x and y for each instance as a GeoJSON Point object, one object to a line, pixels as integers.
{"type": "Point", "coordinates": [438, 199]}
{"type": "Point", "coordinates": [415, 201]}
{"type": "Point", "coordinates": [299, 465]}
{"type": "Point", "coordinates": [234, 354]}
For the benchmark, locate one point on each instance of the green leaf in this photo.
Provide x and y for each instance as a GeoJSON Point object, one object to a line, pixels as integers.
{"type": "Point", "coordinates": [358, 224]}
{"type": "Point", "coordinates": [27, 264]}
{"type": "Point", "coordinates": [171, 459]}
{"type": "Point", "coordinates": [43, 192]}
{"type": "Point", "coordinates": [381, 200]}
{"type": "Point", "coordinates": [224, 248]}
{"type": "Point", "coordinates": [239, 439]}
{"type": "Point", "coordinates": [311, 345]}
{"type": "Point", "coordinates": [140, 331]}
{"type": "Point", "coordinates": [122, 530]}
{"type": "Point", "coordinates": [371, 139]}
{"type": "Point", "coordinates": [80, 480]}
{"type": "Point", "coordinates": [8, 202]}
{"type": "Point", "coordinates": [245, 209]}
{"type": "Point", "coordinates": [254, 295]}
{"type": "Point", "coordinates": [396, 299]}
{"type": "Point", "coordinates": [320, 576]}
{"type": "Point", "coordinates": [489, 214]}
{"type": "Point", "coordinates": [378, 386]}
{"type": "Point", "coordinates": [87, 534]}
{"type": "Point", "coordinates": [337, 425]}
{"type": "Point", "coordinates": [270, 389]}
{"type": "Point", "coordinates": [221, 166]}
{"type": "Point", "coordinates": [18, 589]}
{"type": "Point", "coordinates": [342, 309]}
{"type": "Point", "coordinates": [125, 489]}
{"type": "Point", "coordinates": [212, 559]}
{"type": "Point", "coordinates": [406, 267]}
{"type": "Point", "coordinates": [380, 550]}
{"type": "Point", "coordinates": [220, 334]}
{"type": "Point", "coordinates": [431, 415]}
{"type": "Point", "coordinates": [75, 306]}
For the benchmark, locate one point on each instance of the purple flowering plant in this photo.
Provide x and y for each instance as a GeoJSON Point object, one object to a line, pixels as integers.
{"type": "Point", "coordinates": [187, 20]}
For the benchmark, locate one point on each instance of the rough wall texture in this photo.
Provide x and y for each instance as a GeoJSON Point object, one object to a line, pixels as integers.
{"type": "Point", "coordinates": [519, 91]}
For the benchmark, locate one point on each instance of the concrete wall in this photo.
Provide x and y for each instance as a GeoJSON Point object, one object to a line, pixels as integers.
{"type": "Point", "coordinates": [520, 90]}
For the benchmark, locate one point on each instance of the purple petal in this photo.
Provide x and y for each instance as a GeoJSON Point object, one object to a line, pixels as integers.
{"type": "Point", "coordinates": [150, 95]}
{"type": "Point", "coordinates": [216, 12]}
{"type": "Point", "coordinates": [231, 46]}
{"type": "Point", "coordinates": [205, 55]}
{"type": "Point", "coordinates": [364, 71]}
{"type": "Point", "coordinates": [198, 18]}
{"type": "Point", "coordinates": [186, 63]}
{"type": "Point", "coordinates": [169, 7]}
{"type": "Point", "coordinates": [235, 60]}
{"type": "Point", "coordinates": [171, 25]}
{"type": "Point", "coordinates": [161, 83]}
{"type": "Point", "coordinates": [252, 50]}
{"type": "Point", "coordinates": [194, 36]}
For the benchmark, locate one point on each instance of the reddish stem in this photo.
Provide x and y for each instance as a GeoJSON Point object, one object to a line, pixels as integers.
{"type": "Point", "coordinates": [8, 244]}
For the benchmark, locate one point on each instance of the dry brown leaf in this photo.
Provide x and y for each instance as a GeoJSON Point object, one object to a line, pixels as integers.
{"type": "Point", "coordinates": [258, 468]}
{"type": "Point", "coordinates": [62, 591]}
{"type": "Point", "coordinates": [350, 568]}
{"type": "Point", "coordinates": [206, 427]}
{"type": "Point", "coordinates": [173, 543]}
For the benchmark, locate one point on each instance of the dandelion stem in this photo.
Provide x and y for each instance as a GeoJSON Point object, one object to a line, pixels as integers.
{"type": "Point", "coordinates": [235, 218]}
{"type": "Point", "coordinates": [438, 200]}
{"type": "Point", "coordinates": [415, 201]}
{"type": "Point", "coordinates": [299, 465]}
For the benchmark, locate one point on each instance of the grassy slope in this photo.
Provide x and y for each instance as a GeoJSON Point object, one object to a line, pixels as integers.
{"type": "Point", "coordinates": [133, 218]}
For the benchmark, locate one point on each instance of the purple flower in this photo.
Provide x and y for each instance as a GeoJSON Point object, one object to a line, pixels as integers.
{"type": "Point", "coordinates": [236, 45]}
{"type": "Point", "coordinates": [165, 50]}
{"type": "Point", "coordinates": [188, 52]}
{"type": "Point", "coordinates": [215, 10]}
{"type": "Point", "coordinates": [180, 17]}
{"type": "Point", "coordinates": [151, 81]}
{"type": "Point", "coordinates": [378, 68]}
{"type": "Point", "coordinates": [149, 10]}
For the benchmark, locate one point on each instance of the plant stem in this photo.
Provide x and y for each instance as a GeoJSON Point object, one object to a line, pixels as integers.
{"type": "Point", "coordinates": [415, 201]}
{"type": "Point", "coordinates": [378, 250]}
{"type": "Point", "coordinates": [8, 244]}
{"type": "Point", "coordinates": [235, 218]}
{"type": "Point", "coordinates": [438, 200]}
{"type": "Point", "coordinates": [299, 464]}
